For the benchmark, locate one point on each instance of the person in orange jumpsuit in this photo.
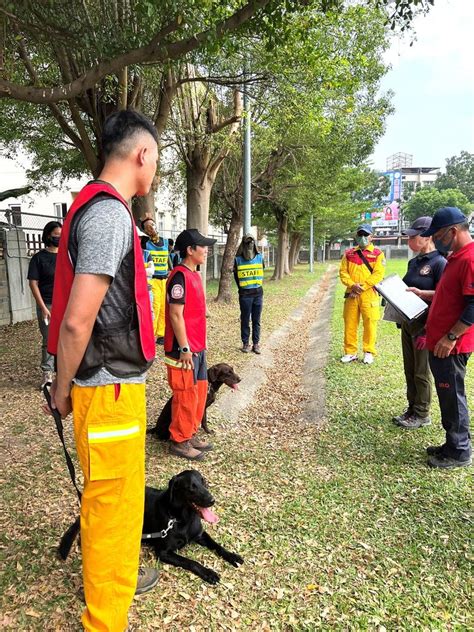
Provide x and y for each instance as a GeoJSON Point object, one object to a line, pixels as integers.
{"type": "Point", "coordinates": [361, 268]}
{"type": "Point", "coordinates": [185, 346]}
{"type": "Point", "coordinates": [102, 335]}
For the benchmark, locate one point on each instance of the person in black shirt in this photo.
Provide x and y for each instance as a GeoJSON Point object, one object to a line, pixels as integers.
{"type": "Point", "coordinates": [423, 274]}
{"type": "Point", "coordinates": [41, 278]}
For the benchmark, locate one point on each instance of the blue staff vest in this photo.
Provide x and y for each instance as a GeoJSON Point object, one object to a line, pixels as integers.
{"type": "Point", "coordinates": [250, 273]}
{"type": "Point", "coordinates": [160, 255]}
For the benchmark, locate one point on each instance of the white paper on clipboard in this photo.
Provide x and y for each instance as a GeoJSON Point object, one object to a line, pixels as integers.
{"type": "Point", "coordinates": [407, 304]}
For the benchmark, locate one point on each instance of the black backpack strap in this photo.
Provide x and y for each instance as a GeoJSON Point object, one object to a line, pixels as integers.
{"type": "Point", "coordinates": [362, 257]}
{"type": "Point", "coordinates": [60, 429]}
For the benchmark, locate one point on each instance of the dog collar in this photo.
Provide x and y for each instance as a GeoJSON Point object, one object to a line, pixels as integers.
{"type": "Point", "coordinates": [160, 534]}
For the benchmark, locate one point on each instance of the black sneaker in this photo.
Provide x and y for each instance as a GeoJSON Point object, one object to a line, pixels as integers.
{"type": "Point", "coordinates": [147, 580]}
{"type": "Point", "coordinates": [403, 417]}
{"type": "Point", "coordinates": [160, 341]}
{"type": "Point", "coordinates": [447, 462]}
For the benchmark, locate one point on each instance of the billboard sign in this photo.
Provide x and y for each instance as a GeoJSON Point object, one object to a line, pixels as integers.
{"type": "Point", "coordinates": [395, 192]}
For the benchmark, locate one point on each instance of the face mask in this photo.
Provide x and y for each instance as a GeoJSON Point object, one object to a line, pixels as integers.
{"type": "Point", "coordinates": [248, 249]}
{"type": "Point", "coordinates": [54, 241]}
{"type": "Point", "coordinates": [362, 241]}
{"type": "Point", "coordinates": [441, 246]}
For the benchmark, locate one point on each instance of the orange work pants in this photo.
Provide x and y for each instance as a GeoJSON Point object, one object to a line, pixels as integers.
{"type": "Point", "coordinates": [189, 402]}
{"type": "Point", "coordinates": [109, 429]}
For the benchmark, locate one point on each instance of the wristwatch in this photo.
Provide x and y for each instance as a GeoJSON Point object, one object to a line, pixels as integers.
{"type": "Point", "coordinates": [452, 336]}
{"type": "Point", "coordinates": [184, 349]}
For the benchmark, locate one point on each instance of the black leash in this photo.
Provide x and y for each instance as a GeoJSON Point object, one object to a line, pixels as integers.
{"type": "Point", "coordinates": [72, 472]}
{"type": "Point", "coordinates": [60, 429]}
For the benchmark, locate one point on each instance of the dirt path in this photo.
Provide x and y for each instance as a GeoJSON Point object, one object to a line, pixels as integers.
{"type": "Point", "coordinates": [294, 358]}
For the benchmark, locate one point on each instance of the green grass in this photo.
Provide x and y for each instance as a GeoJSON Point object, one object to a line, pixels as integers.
{"type": "Point", "coordinates": [414, 525]}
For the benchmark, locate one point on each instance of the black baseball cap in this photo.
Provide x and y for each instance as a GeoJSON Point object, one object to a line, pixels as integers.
{"type": "Point", "coordinates": [444, 217]}
{"type": "Point", "coordinates": [419, 226]}
{"type": "Point", "coordinates": [192, 237]}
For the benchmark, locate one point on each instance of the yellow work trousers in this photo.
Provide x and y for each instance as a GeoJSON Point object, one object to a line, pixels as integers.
{"type": "Point", "coordinates": [158, 289]}
{"type": "Point", "coordinates": [109, 429]}
{"type": "Point", "coordinates": [367, 306]}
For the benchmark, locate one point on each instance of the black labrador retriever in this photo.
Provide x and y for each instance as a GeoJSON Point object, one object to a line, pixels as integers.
{"type": "Point", "coordinates": [173, 518]}
{"type": "Point", "coordinates": [217, 375]}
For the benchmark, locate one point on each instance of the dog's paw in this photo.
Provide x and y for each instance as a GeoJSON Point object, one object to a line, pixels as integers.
{"type": "Point", "coordinates": [210, 576]}
{"type": "Point", "coordinates": [234, 559]}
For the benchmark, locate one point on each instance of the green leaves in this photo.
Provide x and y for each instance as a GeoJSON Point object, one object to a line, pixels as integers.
{"type": "Point", "coordinates": [428, 199]}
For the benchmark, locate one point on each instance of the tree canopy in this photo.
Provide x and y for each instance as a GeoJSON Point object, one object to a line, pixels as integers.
{"type": "Point", "coordinates": [427, 200]}
{"type": "Point", "coordinates": [459, 175]}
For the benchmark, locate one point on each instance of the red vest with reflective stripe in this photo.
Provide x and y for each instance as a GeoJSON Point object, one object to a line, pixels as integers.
{"type": "Point", "coordinates": [194, 311]}
{"type": "Point", "coordinates": [64, 275]}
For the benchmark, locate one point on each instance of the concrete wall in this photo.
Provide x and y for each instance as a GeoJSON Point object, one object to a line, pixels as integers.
{"type": "Point", "coordinates": [16, 300]}
{"type": "Point", "coordinates": [5, 315]}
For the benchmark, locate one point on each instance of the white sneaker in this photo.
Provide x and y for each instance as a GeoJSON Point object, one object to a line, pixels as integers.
{"type": "Point", "coordinates": [368, 358]}
{"type": "Point", "coordinates": [348, 358]}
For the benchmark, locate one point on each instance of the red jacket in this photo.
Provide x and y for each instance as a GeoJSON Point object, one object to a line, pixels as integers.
{"type": "Point", "coordinates": [64, 278]}
{"type": "Point", "coordinates": [194, 312]}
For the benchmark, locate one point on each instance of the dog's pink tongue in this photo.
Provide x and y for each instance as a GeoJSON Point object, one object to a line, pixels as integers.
{"type": "Point", "coordinates": [235, 387]}
{"type": "Point", "coordinates": [208, 515]}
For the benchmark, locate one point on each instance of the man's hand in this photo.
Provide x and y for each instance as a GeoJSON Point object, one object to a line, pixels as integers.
{"type": "Point", "coordinates": [443, 347]}
{"type": "Point", "coordinates": [356, 289]}
{"type": "Point", "coordinates": [420, 342]}
{"type": "Point", "coordinates": [415, 290]}
{"type": "Point", "coordinates": [46, 313]}
{"type": "Point", "coordinates": [60, 401]}
{"type": "Point", "coordinates": [186, 360]}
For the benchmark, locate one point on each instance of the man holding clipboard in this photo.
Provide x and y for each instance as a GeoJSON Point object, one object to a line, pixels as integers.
{"type": "Point", "coordinates": [450, 335]}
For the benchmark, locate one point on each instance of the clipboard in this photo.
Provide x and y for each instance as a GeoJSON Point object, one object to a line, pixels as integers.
{"type": "Point", "coordinates": [403, 306]}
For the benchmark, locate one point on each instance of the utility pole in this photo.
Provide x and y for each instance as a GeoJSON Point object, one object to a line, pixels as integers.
{"type": "Point", "coordinates": [311, 244]}
{"type": "Point", "coordinates": [247, 161]}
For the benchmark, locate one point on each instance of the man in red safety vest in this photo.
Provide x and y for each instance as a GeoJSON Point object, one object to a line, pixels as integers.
{"type": "Point", "coordinates": [101, 333]}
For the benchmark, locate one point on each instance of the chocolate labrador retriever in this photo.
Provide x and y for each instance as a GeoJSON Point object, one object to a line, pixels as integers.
{"type": "Point", "coordinates": [217, 375]}
{"type": "Point", "coordinates": [173, 518]}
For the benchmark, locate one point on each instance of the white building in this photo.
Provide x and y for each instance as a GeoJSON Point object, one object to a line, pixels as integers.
{"type": "Point", "coordinates": [33, 211]}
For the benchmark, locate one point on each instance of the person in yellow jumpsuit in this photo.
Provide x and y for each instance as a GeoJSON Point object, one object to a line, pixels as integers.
{"type": "Point", "coordinates": [361, 268]}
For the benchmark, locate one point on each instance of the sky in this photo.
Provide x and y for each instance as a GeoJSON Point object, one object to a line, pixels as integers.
{"type": "Point", "coordinates": [433, 82]}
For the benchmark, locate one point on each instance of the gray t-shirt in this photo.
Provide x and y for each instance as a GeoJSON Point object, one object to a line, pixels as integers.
{"type": "Point", "coordinates": [104, 238]}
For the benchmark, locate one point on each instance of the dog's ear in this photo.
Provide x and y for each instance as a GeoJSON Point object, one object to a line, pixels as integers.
{"type": "Point", "coordinates": [212, 374]}
{"type": "Point", "coordinates": [171, 486]}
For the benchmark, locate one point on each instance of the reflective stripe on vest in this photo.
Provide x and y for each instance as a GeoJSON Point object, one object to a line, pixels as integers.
{"type": "Point", "coordinates": [250, 273]}
{"type": "Point", "coordinates": [160, 256]}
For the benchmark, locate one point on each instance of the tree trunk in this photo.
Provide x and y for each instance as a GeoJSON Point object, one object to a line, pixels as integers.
{"type": "Point", "coordinates": [144, 205]}
{"type": "Point", "coordinates": [198, 194]}
{"type": "Point", "coordinates": [224, 294]}
{"type": "Point", "coordinates": [295, 246]}
{"type": "Point", "coordinates": [281, 264]}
